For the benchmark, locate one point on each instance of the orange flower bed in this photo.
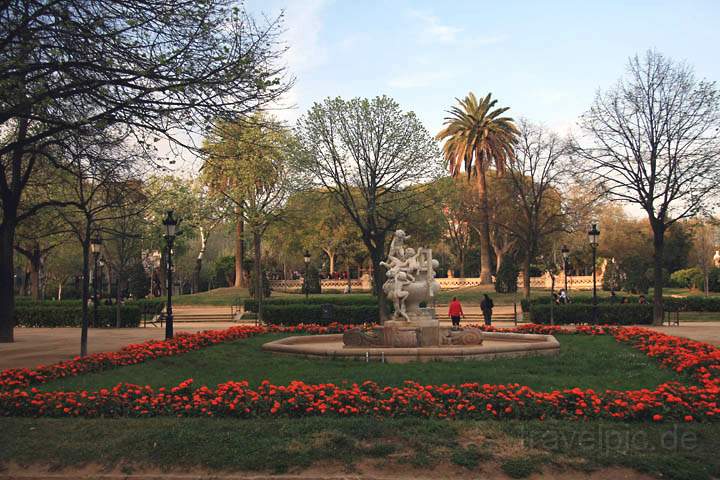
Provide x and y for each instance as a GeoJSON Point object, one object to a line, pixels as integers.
{"type": "Point", "coordinates": [669, 401]}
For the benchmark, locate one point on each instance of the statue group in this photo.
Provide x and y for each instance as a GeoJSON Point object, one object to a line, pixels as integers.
{"type": "Point", "coordinates": [410, 283]}
{"type": "Point", "coordinates": [410, 279]}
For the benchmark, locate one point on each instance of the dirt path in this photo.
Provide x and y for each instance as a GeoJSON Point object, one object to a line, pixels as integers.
{"type": "Point", "coordinates": [363, 471]}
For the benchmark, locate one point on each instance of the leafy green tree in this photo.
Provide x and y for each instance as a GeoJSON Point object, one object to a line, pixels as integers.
{"type": "Point", "coordinates": [477, 136]}
{"type": "Point", "coordinates": [247, 164]}
{"type": "Point", "coordinates": [372, 158]}
{"type": "Point", "coordinates": [507, 276]}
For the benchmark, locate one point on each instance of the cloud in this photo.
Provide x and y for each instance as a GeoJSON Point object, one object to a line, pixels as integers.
{"type": "Point", "coordinates": [303, 27]}
{"type": "Point", "coordinates": [419, 79]}
{"type": "Point", "coordinates": [433, 30]}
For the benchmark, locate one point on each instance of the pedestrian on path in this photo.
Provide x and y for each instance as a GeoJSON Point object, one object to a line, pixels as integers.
{"type": "Point", "coordinates": [455, 311]}
{"type": "Point", "coordinates": [486, 306]}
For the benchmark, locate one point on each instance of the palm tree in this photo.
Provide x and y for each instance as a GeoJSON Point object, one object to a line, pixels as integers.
{"type": "Point", "coordinates": [476, 136]}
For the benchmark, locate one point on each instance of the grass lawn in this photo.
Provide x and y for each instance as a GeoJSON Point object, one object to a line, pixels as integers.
{"type": "Point", "coordinates": [468, 295]}
{"type": "Point", "coordinates": [460, 449]}
{"type": "Point", "coordinates": [585, 361]}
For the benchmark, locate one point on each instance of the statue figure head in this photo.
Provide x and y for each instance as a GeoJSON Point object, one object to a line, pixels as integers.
{"type": "Point", "coordinates": [409, 252]}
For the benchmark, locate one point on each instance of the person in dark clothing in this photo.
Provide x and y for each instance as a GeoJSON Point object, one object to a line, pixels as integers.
{"type": "Point", "coordinates": [486, 306]}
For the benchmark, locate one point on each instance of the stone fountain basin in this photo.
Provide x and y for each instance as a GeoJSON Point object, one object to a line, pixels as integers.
{"type": "Point", "coordinates": [495, 345]}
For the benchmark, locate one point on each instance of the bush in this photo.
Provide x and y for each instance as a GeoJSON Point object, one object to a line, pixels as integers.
{"type": "Point", "coordinates": [611, 314]}
{"type": "Point", "coordinates": [250, 305]}
{"type": "Point", "coordinates": [265, 284]}
{"type": "Point", "coordinates": [507, 276]}
{"type": "Point", "coordinates": [148, 306]}
{"type": "Point", "coordinates": [71, 316]}
{"type": "Point", "coordinates": [312, 282]}
{"type": "Point", "coordinates": [686, 278]}
{"type": "Point", "coordinates": [138, 281]}
{"type": "Point", "coordinates": [294, 314]}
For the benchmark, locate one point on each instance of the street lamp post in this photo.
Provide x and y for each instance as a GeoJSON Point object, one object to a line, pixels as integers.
{"type": "Point", "coordinates": [170, 223]}
{"type": "Point", "coordinates": [594, 238]}
{"type": "Point", "coordinates": [565, 254]}
{"type": "Point", "coordinates": [306, 258]}
{"type": "Point", "coordinates": [95, 244]}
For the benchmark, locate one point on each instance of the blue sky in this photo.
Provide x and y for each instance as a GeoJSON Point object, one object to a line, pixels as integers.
{"type": "Point", "coordinates": [544, 59]}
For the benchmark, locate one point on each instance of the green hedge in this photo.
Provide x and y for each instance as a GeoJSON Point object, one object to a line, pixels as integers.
{"type": "Point", "coordinates": [148, 306]}
{"type": "Point", "coordinates": [71, 316]}
{"type": "Point", "coordinates": [294, 314]}
{"type": "Point", "coordinates": [611, 314]}
{"type": "Point", "coordinates": [695, 303]}
{"type": "Point", "coordinates": [250, 304]}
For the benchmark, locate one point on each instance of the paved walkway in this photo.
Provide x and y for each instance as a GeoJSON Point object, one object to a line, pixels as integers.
{"type": "Point", "coordinates": [35, 346]}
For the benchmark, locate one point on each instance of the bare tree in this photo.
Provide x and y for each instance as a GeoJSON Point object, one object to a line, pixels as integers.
{"type": "Point", "coordinates": [160, 68]}
{"type": "Point", "coordinates": [372, 158]}
{"type": "Point", "coordinates": [653, 140]}
{"type": "Point", "coordinates": [536, 173]}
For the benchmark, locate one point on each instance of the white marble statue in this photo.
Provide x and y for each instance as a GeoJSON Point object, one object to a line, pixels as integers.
{"type": "Point", "coordinates": [411, 277]}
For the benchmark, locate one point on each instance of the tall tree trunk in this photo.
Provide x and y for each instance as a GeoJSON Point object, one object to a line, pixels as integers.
{"type": "Point", "coordinates": [658, 260]}
{"type": "Point", "coordinates": [85, 294]}
{"type": "Point", "coordinates": [526, 274]}
{"type": "Point", "coordinates": [7, 277]}
{"type": "Point", "coordinates": [239, 252]}
{"type": "Point", "coordinates": [118, 298]}
{"type": "Point", "coordinates": [499, 259]}
{"type": "Point", "coordinates": [199, 260]}
{"type": "Point", "coordinates": [258, 270]}
{"type": "Point", "coordinates": [485, 270]}
{"type": "Point", "coordinates": [462, 264]}
{"type": "Point", "coordinates": [35, 257]}
{"type": "Point", "coordinates": [377, 254]}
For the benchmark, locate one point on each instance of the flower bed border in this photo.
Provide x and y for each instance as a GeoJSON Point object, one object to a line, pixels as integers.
{"type": "Point", "coordinates": [669, 401]}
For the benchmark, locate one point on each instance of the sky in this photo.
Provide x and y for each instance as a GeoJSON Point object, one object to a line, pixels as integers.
{"type": "Point", "coordinates": [543, 59]}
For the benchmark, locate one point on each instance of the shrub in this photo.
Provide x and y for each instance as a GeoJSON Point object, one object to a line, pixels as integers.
{"type": "Point", "coordinates": [138, 281]}
{"type": "Point", "coordinates": [507, 275]}
{"type": "Point", "coordinates": [686, 278]}
{"type": "Point", "coordinates": [265, 284]}
{"type": "Point", "coordinates": [250, 305]}
{"type": "Point", "coordinates": [610, 314]}
{"type": "Point", "coordinates": [312, 282]}
{"type": "Point", "coordinates": [71, 316]}
{"type": "Point", "coordinates": [148, 306]}
{"type": "Point", "coordinates": [294, 314]}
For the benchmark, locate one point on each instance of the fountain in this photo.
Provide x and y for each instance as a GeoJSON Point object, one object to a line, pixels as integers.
{"type": "Point", "coordinates": [414, 332]}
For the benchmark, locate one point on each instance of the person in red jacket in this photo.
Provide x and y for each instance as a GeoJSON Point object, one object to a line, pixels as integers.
{"type": "Point", "coordinates": [455, 311]}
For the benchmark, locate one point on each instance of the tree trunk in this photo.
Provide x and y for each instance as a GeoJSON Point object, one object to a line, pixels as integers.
{"type": "Point", "coordinates": [199, 260]}
{"type": "Point", "coordinates": [498, 259]}
{"type": "Point", "coordinates": [462, 264]}
{"type": "Point", "coordinates": [85, 294]}
{"type": "Point", "coordinates": [658, 257]}
{"type": "Point", "coordinates": [59, 295]}
{"type": "Point", "coordinates": [258, 271]}
{"type": "Point", "coordinates": [485, 270]}
{"type": "Point", "coordinates": [239, 252]}
{"type": "Point", "coordinates": [379, 277]}
{"type": "Point", "coordinates": [35, 257]}
{"type": "Point", "coordinates": [118, 298]}
{"type": "Point", "coordinates": [526, 274]}
{"type": "Point", "coordinates": [7, 278]}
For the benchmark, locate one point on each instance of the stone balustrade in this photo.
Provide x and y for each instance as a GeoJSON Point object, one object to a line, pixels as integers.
{"type": "Point", "coordinates": [582, 282]}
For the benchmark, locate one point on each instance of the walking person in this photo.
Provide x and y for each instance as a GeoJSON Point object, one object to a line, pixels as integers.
{"type": "Point", "coordinates": [455, 311]}
{"type": "Point", "coordinates": [486, 306]}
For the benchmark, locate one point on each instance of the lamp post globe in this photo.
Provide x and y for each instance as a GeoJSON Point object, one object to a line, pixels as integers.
{"type": "Point", "coordinates": [170, 223]}
{"type": "Point", "coordinates": [594, 239]}
{"type": "Point", "coordinates": [306, 259]}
